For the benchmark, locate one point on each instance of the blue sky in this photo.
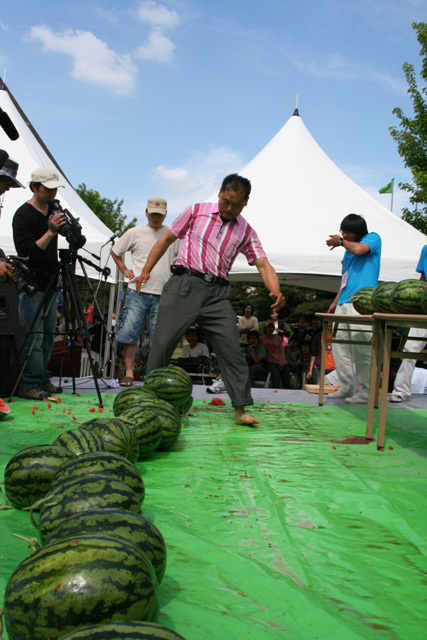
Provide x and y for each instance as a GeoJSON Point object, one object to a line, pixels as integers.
{"type": "Point", "coordinates": [142, 98]}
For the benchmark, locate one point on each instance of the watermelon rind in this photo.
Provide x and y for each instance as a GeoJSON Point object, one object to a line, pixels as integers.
{"type": "Point", "coordinates": [72, 583]}
{"type": "Point", "coordinates": [406, 297]}
{"type": "Point", "coordinates": [169, 418]}
{"type": "Point", "coordinates": [101, 462]}
{"type": "Point", "coordinates": [124, 631]}
{"type": "Point", "coordinates": [381, 297]}
{"type": "Point", "coordinates": [4, 409]}
{"type": "Point", "coordinates": [424, 300]}
{"type": "Point", "coordinates": [29, 473]}
{"type": "Point", "coordinates": [80, 441]}
{"type": "Point", "coordinates": [128, 397]}
{"type": "Point", "coordinates": [147, 425]}
{"type": "Point", "coordinates": [97, 491]}
{"type": "Point", "coordinates": [118, 437]}
{"type": "Point", "coordinates": [362, 301]}
{"type": "Point", "coordinates": [118, 522]}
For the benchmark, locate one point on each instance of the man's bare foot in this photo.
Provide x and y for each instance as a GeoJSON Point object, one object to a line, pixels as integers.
{"type": "Point", "coordinates": [241, 417]}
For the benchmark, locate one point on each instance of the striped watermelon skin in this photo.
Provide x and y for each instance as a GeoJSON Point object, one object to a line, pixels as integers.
{"type": "Point", "coordinates": [76, 582]}
{"type": "Point", "coordinates": [80, 441]}
{"type": "Point", "coordinates": [168, 415]}
{"type": "Point", "coordinates": [123, 524]}
{"type": "Point", "coordinates": [124, 631]}
{"type": "Point", "coordinates": [118, 437]}
{"type": "Point", "coordinates": [70, 497]}
{"type": "Point", "coordinates": [29, 473]}
{"type": "Point", "coordinates": [171, 383]}
{"type": "Point", "coordinates": [128, 397]}
{"type": "Point", "coordinates": [424, 300]}
{"type": "Point", "coordinates": [362, 301]}
{"type": "Point", "coordinates": [105, 463]}
{"type": "Point", "coordinates": [147, 426]}
{"type": "Point", "coordinates": [186, 406]}
{"type": "Point", "coordinates": [381, 297]}
{"type": "Point", "coordinates": [406, 297]}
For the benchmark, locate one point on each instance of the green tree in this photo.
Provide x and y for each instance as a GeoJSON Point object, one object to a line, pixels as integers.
{"type": "Point", "coordinates": [411, 137]}
{"type": "Point", "coordinates": [109, 211]}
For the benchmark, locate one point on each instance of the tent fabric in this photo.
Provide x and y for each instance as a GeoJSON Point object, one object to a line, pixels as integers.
{"type": "Point", "coordinates": [30, 152]}
{"type": "Point", "coordinates": [299, 197]}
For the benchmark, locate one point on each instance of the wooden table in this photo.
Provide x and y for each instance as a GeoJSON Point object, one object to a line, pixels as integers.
{"type": "Point", "coordinates": [382, 325]}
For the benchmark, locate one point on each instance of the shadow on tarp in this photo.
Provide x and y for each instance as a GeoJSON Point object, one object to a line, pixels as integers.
{"type": "Point", "coordinates": [276, 532]}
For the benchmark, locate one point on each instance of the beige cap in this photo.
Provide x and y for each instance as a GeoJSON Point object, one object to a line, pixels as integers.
{"type": "Point", "coordinates": [157, 205]}
{"type": "Point", "coordinates": [47, 177]}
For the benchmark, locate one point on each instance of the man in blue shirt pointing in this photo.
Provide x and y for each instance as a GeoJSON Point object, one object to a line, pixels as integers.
{"type": "Point", "coordinates": [360, 268]}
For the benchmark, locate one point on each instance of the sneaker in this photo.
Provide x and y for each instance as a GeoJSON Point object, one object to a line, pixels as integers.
{"type": "Point", "coordinates": [50, 388]}
{"type": "Point", "coordinates": [34, 394]}
{"type": "Point", "coordinates": [357, 399]}
{"type": "Point", "coordinates": [397, 398]}
{"type": "Point", "coordinates": [340, 394]}
{"type": "Point", "coordinates": [216, 387]}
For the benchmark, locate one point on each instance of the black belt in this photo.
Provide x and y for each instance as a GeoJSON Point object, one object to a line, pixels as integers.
{"type": "Point", "coordinates": [179, 270]}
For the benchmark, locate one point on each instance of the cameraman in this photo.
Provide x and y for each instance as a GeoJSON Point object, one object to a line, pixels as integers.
{"type": "Point", "coordinates": [35, 234]}
{"type": "Point", "coordinates": [7, 181]}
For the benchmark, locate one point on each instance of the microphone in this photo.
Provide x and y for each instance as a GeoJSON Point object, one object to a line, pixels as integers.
{"type": "Point", "coordinates": [8, 126]}
{"type": "Point", "coordinates": [116, 234]}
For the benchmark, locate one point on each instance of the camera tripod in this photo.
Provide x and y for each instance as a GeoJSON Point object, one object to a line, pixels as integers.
{"type": "Point", "coordinates": [72, 300]}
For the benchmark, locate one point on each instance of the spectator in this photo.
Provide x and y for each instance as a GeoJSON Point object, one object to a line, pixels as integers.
{"type": "Point", "coordinates": [256, 358]}
{"type": "Point", "coordinates": [279, 325]}
{"type": "Point", "coordinates": [247, 322]}
{"type": "Point", "coordinates": [305, 360]}
{"type": "Point", "coordinates": [313, 375]}
{"type": "Point", "coordinates": [275, 356]}
{"type": "Point", "coordinates": [194, 348]}
{"type": "Point", "coordinates": [293, 355]}
{"type": "Point", "coordinates": [300, 333]}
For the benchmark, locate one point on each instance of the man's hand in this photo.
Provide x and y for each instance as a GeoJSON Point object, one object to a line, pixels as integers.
{"type": "Point", "coordinates": [129, 274]}
{"type": "Point", "coordinates": [6, 270]}
{"type": "Point", "coordinates": [333, 241]}
{"type": "Point", "coordinates": [280, 300]}
{"type": "Point", "coordinates": [56, 221]}
{"type": "Point", "coordinates": [142, 279]}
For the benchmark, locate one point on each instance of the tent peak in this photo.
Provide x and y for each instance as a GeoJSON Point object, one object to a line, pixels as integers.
{"type": "Point", "coordinates": [296, 113]}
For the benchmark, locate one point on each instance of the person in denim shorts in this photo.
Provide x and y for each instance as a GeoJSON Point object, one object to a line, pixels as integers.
{"type": "Point", "coordinates": [139, 242]}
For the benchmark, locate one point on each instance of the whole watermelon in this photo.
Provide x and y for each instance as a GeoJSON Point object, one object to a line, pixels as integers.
{"type": "Point", "coordinates": [185, 407]}
{"type": "Point", "coordinates": [97, 491]}
{"type": "Point", "coordinates": [80, 441]}
{"type": "Point", "coordinates": [424, 300]}
{"type": "Point", "coordinates": [128, 397]}
{"type": "Point", "coordinates": [171, 383]}
{"type": "Point", "coordinates": [101, 462]}
{"type": "Point", "coordinates": [169, 419]}
{"type": "Point", "coordinates": [362, 301]}
{"type": "Point", "coordinates": [406, 297]}
{"type": "Point", "coordinates": [118, 437]}
{"type": "Point", "coordinates": [72, 583]}
{"type": "Point", "coordinates": [118, 522]}
{"type": "Point", "coordinates": [147, 426]}
{"type": "Point", "coordinates": [381, 297]}
{"type": "Point", "coordinates": [124, 631]}
{"type": "Point", "coordinates": [29, 473]}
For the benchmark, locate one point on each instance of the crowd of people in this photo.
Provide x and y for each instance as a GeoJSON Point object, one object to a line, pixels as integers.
{"type": "Point", "coordinates": [178, 285]}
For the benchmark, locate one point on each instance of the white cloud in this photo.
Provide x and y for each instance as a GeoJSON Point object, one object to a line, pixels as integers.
{"type": "Point", "coordinates": [4, 27]}
{"type": "Point", "coordinates": [107, 15]}
{"type": "Point", "coordinates": [337, 67]}
{"type": "Point", "coordinates": [158, 48]}
{"type": "Point", "coordinates": [178, 178]}
{"type": "Point", "coordinates": [157, 14]}
{"type": "Point", "coordinates": [93, 61]}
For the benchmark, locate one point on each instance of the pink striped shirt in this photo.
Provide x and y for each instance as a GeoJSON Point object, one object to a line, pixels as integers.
{"type": "Point", "coordinates": [211, 245]}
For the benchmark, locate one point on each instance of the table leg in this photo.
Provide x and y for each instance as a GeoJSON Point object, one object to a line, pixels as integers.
{"type": "Point", "coordinates": [373, 393]}
{"type": "Point", "coordinates": [322, 362]}
{"type": "Point", "coordinates": [384, 387]}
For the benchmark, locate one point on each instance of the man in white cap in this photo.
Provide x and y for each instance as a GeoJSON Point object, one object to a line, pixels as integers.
{"type": "Point", "coordinates": [139, 241]}
{"type": "Point", "coordinates": [8, 181]}
{"type": "Point", "coordinates": [35, 234]}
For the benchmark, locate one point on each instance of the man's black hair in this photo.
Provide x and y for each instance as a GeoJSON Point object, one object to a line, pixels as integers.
{"type": "Point", "coordinates": [236, 183]}
{"type": "Point", "coordinates": [252, 332]}
{"type": "Point", "coordinates": [353, 223]}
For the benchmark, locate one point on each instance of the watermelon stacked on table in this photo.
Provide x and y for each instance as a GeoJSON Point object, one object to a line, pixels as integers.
{"type": "Point", "coordinates": [407, 297]}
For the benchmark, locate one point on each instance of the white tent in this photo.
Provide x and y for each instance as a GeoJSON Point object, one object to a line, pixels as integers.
{"type": "Point", "coordinates": [30, 152]}
{"type": "Point", "coordinates": [299, 197]}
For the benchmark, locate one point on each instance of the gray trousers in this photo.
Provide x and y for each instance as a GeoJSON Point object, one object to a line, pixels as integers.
{"type": "Point", "coordinates": [185, 300]}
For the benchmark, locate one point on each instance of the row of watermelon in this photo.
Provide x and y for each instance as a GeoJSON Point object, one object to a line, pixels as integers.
{"type": "Point", "coordinates": [405, 297]}
{"type": "Point", "coordinates": [102, 561]}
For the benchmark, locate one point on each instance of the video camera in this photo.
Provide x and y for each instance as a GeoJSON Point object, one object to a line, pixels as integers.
{"type": "Point", "coordinates": [71, 229]}
{"type": "Point", "coordinates": [22, 274]}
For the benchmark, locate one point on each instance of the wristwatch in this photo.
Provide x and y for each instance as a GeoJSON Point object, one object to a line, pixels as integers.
{"type": "Point", "coordinates": [341, 242]}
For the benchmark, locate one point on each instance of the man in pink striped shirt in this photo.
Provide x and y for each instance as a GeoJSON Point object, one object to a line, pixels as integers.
{"type": "Point", "coordinates": [198, 291]}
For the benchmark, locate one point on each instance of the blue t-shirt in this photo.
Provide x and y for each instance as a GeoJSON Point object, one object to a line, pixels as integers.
{"type": "Point", "coordinates": [361, 271]}
{"type": "Point", "coordinates": [422, 265]}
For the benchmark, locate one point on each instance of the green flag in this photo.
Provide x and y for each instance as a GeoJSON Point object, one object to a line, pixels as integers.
{"type": "Point", "coordinates": [387, 189]}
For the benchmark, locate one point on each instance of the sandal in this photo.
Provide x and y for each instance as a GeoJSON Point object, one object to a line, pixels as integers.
{"type": "Point", "coordinates": [126, 382]}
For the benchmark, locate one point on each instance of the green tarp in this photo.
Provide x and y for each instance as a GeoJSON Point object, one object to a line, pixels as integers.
{"type": "Point", "coordinates": [292, 530]}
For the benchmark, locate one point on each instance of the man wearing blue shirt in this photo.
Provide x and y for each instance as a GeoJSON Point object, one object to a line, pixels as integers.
{"type": "Point", "coordinates": [360, 268]}
{"type": "Point", "coordinates": [402, 384]}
